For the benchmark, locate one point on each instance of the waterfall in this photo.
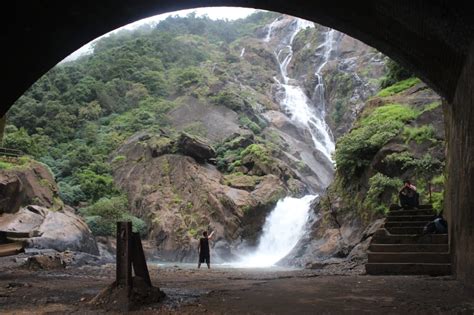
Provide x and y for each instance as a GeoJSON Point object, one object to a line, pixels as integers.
{"type": "Point", "coordinates": [283, 227]}
{"type": "Point", "coordinates": [270, 29]}
{"type": "Point", "coordinates": [319, 90]}
{"type": "Point", "coordinates": [296, 103]}
{"type": "Point", "coordinates": [242, 52]}
{"type": "Point", "coordinates": [286, 224]}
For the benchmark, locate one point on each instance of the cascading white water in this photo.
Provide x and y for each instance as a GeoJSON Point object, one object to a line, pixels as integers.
{"type": "Point", "coordinates": [270, 29]}
{"type": "Point", "coordinates": [281, 231]}
{"type": "Point", "coordinates": [286, 224]}
{"type": "Point", "coordinates": [295, 102]}
{"type": "Point", "coordinates": [319, 90]}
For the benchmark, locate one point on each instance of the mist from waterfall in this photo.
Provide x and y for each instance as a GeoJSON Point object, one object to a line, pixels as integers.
{"type": "Point", "coordinates": [283, 228]}
{"type": "Point", "coordinates": [287, 222]}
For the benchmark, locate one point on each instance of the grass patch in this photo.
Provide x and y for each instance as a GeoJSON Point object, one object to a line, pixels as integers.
{"type": "Point", "coordinates": [431, 106]}
{"type": "Point", "coordinates": [398, 87]}
{"type": "Point", "coordinates": [419, 134]}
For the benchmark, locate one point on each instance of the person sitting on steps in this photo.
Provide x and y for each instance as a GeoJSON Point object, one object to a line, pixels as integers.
{"type": "Point", "coordinates": [438, 225]}
{"type": "Point", "coordinates": [409, 198]}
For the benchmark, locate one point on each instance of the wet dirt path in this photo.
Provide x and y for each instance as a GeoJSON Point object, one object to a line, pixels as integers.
{"type": "Point", "coordinates": [236, 291]}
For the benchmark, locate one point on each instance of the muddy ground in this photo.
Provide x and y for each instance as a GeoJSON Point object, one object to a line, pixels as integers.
{"type": "Point", "coordinates": [223, 290]}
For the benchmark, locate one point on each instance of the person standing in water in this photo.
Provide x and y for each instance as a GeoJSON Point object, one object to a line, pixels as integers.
{"type": "Point", "coordinates": [203, 248]}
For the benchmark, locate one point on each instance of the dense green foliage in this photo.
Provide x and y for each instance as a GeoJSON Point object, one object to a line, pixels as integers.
{"type": "Point", "coordinates": [398, 87]}
{"type": "Point", "coordinates": [395, 73]}
{"type": "Point", "coordinates": [379, 185]}
{"type": "Point", "coordinates": [102, 216]}
{"type": "Point", "coordinates": [367, 180]}
{"type": "Point", "coordinates": [355, 150]}
{"type": "Point", "coordinates": [77, 114]}
{"type": "Point", "coordinates": [419, 134]}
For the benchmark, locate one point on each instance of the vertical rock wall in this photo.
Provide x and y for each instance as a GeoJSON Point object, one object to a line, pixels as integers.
{"type": "Point", "coordinates": [459, 203]}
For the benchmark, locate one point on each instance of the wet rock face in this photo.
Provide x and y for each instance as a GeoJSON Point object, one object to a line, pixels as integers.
{"type": "Point", "coordinates": [45, 229]}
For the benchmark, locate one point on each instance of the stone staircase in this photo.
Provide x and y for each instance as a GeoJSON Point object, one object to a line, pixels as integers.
{"type": "Point", "coordinates": [399, 248]}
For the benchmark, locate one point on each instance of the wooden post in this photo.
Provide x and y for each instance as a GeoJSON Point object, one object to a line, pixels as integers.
{"type": "Point", "coordinates": [124, 255]}
{"type": "Point", "coordinates": [138, 259]}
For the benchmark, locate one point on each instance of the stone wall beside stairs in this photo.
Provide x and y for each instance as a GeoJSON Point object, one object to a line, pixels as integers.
{"type": "Point", "coordinates": [459, 199]}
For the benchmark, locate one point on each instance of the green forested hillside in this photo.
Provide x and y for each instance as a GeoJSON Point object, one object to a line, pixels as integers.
{"type": "Point", "coordinates": [80, 111]}
{"type": "Point", "coordinates": [114, 118]}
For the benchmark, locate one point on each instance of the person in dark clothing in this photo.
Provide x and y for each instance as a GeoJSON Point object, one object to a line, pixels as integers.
{"type": "Point", "coordinates": [409, 198]}
{"type": "Point", "coordinates": [438, 225]}
{"type": "Point", "coordinates": [203, 248]}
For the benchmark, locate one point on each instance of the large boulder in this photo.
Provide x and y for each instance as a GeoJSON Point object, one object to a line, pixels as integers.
{"type": "Point", "coordinates": [195, 147]}
{"type": "Point", "coordinates": [42, 228]}
{"type": "Point", "coordinates": [28, 182]}
{"type": "Point", "coordinates": [10, 192]}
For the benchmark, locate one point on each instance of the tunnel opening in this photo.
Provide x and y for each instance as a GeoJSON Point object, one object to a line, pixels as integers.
{"type": "Point", "coordinates": [138, 201]}
{"type": "Point", "coordinates": [124, 95]}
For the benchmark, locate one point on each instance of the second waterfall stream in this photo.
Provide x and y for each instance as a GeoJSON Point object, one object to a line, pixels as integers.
{"type": "Point", "coordinates": [287, 222]}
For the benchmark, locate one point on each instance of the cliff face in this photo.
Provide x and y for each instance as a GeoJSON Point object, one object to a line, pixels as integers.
{"type": "Point", "coordinates": [180, 196]}
{"type": "Point", "coordinates": [262, 153]}
{"type": "Point", "coordinates": [410, 123]}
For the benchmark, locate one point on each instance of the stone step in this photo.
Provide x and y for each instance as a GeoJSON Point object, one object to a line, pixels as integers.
{"type": "Point", "coordinates": [409, 257]}
{"type": "Point", "coordinates": [406, 224]}
{"type": "Point", "coordinates": [393, 218]}
{"type": "Point", "coordinates": [412, 212]}
{"type": "Point", "coordinates": [408, 269]}
{"type": "Point", "coordinates": [405, 230]}
{"type": "Point", "coordinates": [443, 248]}
{"type": "Point", "coordinates": [398, 207]}
{"type": "Point", "coordinates": [379, 238]}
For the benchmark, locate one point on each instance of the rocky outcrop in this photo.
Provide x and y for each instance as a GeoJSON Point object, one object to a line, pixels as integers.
{"type": "Point", "coordinates": [340, 239]}
{"type": "Point", "coordinates": [342, 223]}
{"type": "Point", "coordinates": [195, 147]}
{"type": "Point", "coordinates": [45, 229]}
{"type": "Point", "coordinates": [27, 182]}
{"type": "Point", "coordinates": [179, 198]}
{"type": "Point", "coordinates": [31, 210]}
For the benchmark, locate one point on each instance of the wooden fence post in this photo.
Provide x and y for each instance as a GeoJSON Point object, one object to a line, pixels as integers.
{"type": "Point", "coordinates": [124, 255]}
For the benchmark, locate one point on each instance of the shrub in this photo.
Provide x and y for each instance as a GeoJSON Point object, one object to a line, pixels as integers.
{"type": "Point", "coordinates": [419, 134]}
{"type": "Point", "coordinates": [401, 159]}
{"type": "Point", "coordinates": [5, 165]}
{"type": "Point", "coordinates": [245, 121]}
{"type": "Point", "coordinates": [71, 194]}
{"type": "Point", "coordinates": [96, 185]}
{"type": "Point", "coordinates": [257, 151]}
{"type": "Point", "coordinates": [395, 73]}
{"type": "Point", "coordinates": [229, 99]}
{"type": "Point", "coordinates": [355, 150]}
{"type": "Point", "coordinates": [381, 188]}
{"type": "Point", "coordinates": [103, 215]}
